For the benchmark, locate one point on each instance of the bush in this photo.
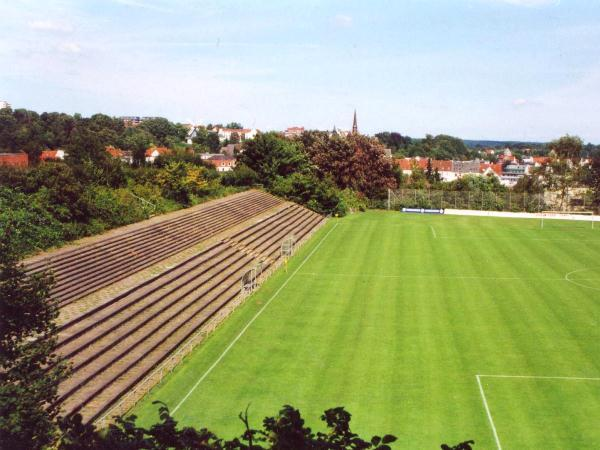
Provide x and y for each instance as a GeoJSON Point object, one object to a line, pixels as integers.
{"type": "Point", "coordinates": [242, 175]}
{"type": "Point", "coordinates": [34, 228]}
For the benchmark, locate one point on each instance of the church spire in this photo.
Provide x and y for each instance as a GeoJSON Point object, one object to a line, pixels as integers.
{"type": "Point", "coordinates": [354, 124]}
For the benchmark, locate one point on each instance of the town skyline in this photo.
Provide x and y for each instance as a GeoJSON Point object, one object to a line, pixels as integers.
{"type": "Point", "coordinates": [517, 70]}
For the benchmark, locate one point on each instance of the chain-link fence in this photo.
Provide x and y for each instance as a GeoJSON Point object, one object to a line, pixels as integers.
{"type": "Point", "coordinates": [483, 200]}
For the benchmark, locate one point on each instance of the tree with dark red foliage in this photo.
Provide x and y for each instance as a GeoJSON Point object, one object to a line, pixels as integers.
{"type": "Point", "coordinates": [356, 161]}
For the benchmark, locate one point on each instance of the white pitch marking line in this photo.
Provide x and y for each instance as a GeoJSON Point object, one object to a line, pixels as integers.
{"type": "Point", "coordinates": [447, 277]}
{"type": "Point", "coordinates": [433, 231]}
{"type": "Point", "coordinates": [576, 283]}
{"type": "Point", "coordinates": [237, 338]}
{"type": "Point", "coordinates": [542, 377]}
{"type": "Point", "coordinates": [489, 414]}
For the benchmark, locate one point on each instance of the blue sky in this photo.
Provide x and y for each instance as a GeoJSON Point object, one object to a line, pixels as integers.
{"type": "Point", "coordinates": [496, 69]}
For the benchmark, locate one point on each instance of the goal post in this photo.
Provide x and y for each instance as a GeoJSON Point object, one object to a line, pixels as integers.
{"type": "Point", "coordinates": [576, 216]}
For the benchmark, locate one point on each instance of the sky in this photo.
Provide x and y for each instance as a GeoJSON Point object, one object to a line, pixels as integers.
{"type": "Point", "coordinates": [484, 69]}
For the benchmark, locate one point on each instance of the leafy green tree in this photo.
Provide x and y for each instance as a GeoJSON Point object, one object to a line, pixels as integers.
{"type": "Point", "coordinates": [37, 228]}
{"type": "Point", "coordinates": [563, 172]}
{"type": "Point", "coordinates": [286, 431]}
{"type": "Point", "coordinates": [270, 155]}
{"type": "Point", "coordinates": [29, 370]}
{"type": "Point", "coordinates": [208, 139]}
{"type": "Point", "coordinates": [530, 184]}
{"type": "Point", "coordinates": [234, 126]}
{"type": "Point", "coordinates": [595, 181]}
{"type": "Point", "coordinates": [163, 130]}
{"type": "Point", "coordinates": [567, 147]}
{"type": "Point", "coordinates": [242, 175]}
{"type": "Point", "coordinates": [136, 140]}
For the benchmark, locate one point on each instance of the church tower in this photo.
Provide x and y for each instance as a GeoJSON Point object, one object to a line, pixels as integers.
{"type": "Point", "coordinates": [354, 124]}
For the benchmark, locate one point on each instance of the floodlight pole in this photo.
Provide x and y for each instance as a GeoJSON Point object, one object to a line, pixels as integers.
{"type": "Point", "coordinates": [389, 197]}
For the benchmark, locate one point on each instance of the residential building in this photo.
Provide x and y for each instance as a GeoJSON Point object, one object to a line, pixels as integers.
{"type": "Point", "coordinates": [450, 170]}
{"type": "Point", "coordinates": [131, 121]}
{"type": "Point", "coordinates": [191, 132]}
{"type": "Point", "coordinates": [232, 149]}
{"type": "Point", "coordinates": [293, 132]}
{"type": "Point", "coordinates": [222, 163]}
{"type": "Point", "coordinates": [20, 159]}
{"type": "Point", "coordinates": [51, 155]}
{"type": "Point", "coordinates": [154, 152]}
{"type": "Point", "coordinates": [4, 104]}
{"type": "Point", "coordinates": [512, 173]}
{"type": "Point", "coordinates": [207, 156]}
{"type": "Point", "coordinates": [242, 133]}
{"type": "Point", "coordinates": [124, 155]}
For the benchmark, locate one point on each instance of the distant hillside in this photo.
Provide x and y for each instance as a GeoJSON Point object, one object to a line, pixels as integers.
{"type": "Point", "coordinates": [474, 143]}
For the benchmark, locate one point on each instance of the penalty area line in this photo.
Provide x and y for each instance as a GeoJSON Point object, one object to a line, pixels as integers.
{"type": "Point", "coordinates": [433, 231]}
{"type": "Point", "coordinates": [260, 311]}
{"type": "Point", "coordinates": [488, 412]}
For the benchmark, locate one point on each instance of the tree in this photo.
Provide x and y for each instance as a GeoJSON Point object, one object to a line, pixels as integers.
{"type": "Point", "coordinates": [356, 162]}
{"type": "Point", "coordinates": [136, 140]}
{"type": "Point", "coordinates": [234, 126]}
{"type": "Point", "coordinates": [563, 172]}
{"type": "Point", "coordinates": [595, 181]}
{"type": "Point", "coordinates": [567, 147]}
{"type": "Point", "coordinates": [286, 431]}
{"type": "Point", "coordinates": [270, 155]}
{"type": "Point", "coordinates": [162, 130]}
{"type": "Point", "coordinates": [235, 138]}
{"type": "Point", "coordinates": [208, 139]}
{"type": "Point", "coordinates": [29, 371]}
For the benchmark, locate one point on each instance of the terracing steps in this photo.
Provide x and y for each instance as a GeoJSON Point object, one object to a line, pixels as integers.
{"type": "Point", "coordinates": [114, 346]}
{"type": "Point", "coordinates": [80, 271]}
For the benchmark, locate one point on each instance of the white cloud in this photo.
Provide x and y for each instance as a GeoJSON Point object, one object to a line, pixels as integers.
{"type": "Point", "coordinates": [520, 101]}
{"type": "Point", "coordinates": [69, 47]}
{"type": "Point", "coordinates": [343, 20]}
{"type": "Point", "coordinates": [50, 25]}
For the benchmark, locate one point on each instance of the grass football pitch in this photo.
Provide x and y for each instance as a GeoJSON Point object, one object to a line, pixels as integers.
{"type": "Point", "coordinates": [433, 328]}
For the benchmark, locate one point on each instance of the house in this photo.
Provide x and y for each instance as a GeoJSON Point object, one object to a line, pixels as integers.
{"type": "Point", "coordinates": [154, 152]}
{"type": "Point", "coordinates": [293, 132]}
{"type": "Point", "coordinates": [444, 167]}
{"type": "Point", "coordinates": [123, 155]}
{"type": "Point", "coordinates": [222, 163]}
{"type": "Point", "coordinates": [4, 104]}
{"type": "Point", "coordinates": [131, 121]}
{"type": "Point", "coordinates": [191, 131]}
{"type": "Point", "coordinates": [52, 155]}
{"type": "Point", "coordinates": [450, 170]}
{"type": "Point", "coordinates": [242, 133]}
{"type": "Point", "coordinates": [490, 169]}
{"type": "Point", "coordinates": [20, 159]}
{"type": "Point", "coordinates": [207, 156]}
{"type": "Point", "coordinates": [512, 173]}
{"type": "Point", "coordinates": [232, 149]}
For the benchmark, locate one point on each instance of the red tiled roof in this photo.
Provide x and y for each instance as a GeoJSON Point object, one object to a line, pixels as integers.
{"type": "Point", "coordinates": [497, 168]}
{"type": "Point", "coordinates": [160, 150]}
{"type": "Point", "coordinates": [114, 152]}
{"type": "Point", "coordinates": [48, 154]}
{"type": "Point", "coordinates": [14, 159]}
{"type": "Point", "coordinates": [541, 159]}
